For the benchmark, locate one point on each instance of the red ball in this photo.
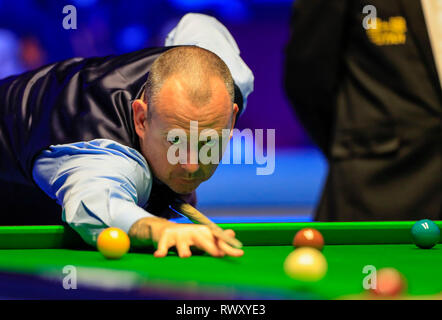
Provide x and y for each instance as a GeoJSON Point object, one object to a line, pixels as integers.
{"type": "Point", "coordinates": [308, 237]}
{"type": "Point", "coordinates": [389, 283]}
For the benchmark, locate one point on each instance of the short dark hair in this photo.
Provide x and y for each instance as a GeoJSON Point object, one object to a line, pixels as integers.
{"type": "Point", "coordinates": [198, 65]}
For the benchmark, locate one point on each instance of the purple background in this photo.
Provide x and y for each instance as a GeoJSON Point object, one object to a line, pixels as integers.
{"type": "Point", "coordinates": [261, 29]}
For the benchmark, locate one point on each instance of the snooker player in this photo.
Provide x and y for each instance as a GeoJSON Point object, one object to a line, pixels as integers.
{"type": "Point", "coordinates": [92, 134]}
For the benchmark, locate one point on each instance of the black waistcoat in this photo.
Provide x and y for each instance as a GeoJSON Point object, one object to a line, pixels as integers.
{"type": "Point", "coordinates": [74, 100]}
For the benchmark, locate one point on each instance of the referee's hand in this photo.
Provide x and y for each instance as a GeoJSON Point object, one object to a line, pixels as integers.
{"type": "Point", "coordinates": [182, 236]}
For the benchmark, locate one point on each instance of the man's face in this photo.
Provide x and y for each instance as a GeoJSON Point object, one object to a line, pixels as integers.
{"type": "Point", "coordinates": [173, 110]}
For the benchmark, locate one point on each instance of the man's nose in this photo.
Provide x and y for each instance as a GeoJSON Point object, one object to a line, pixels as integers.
{"type": "Point", "coordinates": [192, 163]}
{"type": "Point", "coordinates": [191, 167]}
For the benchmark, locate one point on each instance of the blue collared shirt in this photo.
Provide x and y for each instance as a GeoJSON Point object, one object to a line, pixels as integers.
{"type": "Point", "coordinates": [98, 183]}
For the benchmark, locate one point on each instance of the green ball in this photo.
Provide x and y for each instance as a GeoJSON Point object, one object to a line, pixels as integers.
{"type": "Point", "coordinates": [425, 234]}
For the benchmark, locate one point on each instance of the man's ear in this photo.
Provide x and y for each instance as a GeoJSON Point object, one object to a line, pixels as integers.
{"type": "Point", "coordinates": [235, 112]}
{"type": "Point", "coordinates": [139, 108]}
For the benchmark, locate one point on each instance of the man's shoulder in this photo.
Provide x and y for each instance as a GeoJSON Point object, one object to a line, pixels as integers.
{"type": "Point", "coordinates": [97, 147]}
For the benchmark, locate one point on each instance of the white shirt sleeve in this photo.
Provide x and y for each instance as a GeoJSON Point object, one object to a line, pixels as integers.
{"type": "Point", "coordinates": [99, 184]}
{"type": "Point", "coordinates": [207, 32]}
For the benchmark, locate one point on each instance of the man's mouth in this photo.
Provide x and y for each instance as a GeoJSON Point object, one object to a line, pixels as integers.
{"type": "Point", "coordinates": [187, 180]}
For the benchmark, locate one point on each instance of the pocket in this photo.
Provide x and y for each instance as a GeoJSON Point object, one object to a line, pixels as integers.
{"type": "Point", "coordinates": [371, 141]}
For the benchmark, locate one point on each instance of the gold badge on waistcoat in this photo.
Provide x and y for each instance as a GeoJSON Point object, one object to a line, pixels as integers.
{"type": "Point", "coordinates": [391, 32]}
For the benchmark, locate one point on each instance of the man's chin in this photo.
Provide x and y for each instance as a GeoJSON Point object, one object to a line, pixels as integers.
{"type": "Point", "coordinates": [185, 189]}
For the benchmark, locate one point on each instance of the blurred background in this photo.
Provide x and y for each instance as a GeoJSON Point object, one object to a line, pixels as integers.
{"type": "Point", "coordinates": [32, 35]}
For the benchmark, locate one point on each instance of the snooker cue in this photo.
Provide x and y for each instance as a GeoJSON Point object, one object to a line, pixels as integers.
{"type": "Point", "coordinates": [194, 215]}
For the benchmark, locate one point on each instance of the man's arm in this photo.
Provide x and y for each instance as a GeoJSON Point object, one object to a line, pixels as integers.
{"type": "Point", "coordinates": [98, 183]}
{"type": "Point", "coordinates": [104, 184]}
{"type": "Point", "coordinates": [207, 32]}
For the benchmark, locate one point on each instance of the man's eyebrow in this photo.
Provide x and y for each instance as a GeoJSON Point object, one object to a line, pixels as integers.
{"type": "Point", "coordinates": [206, 136]}
{"type": "Point", "coordinates": [165, 133]}
{"type": "Point", "coordinates": [167, 130]}
{"type": "Point", "coordinates": [200, 135]}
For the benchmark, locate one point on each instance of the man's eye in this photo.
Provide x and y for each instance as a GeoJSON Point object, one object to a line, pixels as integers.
{"type": "Point", "coordinates": [211, 142]}
{"type": "Point", "coordinates": [174, 140]}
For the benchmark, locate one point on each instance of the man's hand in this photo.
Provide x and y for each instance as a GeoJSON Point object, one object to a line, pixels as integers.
{"type": "Point", "coordinates": [182, 236]}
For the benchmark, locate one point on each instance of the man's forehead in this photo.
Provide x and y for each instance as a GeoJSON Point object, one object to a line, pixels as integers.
{"type": "Point", "coordinates": [194, 90]}
{"type": "Point", "coordinates": [186, 121]}
{"type": "Point", "coordinates": [174, 107]}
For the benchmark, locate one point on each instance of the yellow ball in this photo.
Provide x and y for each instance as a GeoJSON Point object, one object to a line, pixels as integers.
{"type": "Point", "coordinates": [113, 243]}
{"type": "Point", "coordinates": [305, 264]}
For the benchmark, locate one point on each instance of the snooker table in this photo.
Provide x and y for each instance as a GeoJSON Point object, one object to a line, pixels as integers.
{"type": "Point", "coordinates": [33, 262]}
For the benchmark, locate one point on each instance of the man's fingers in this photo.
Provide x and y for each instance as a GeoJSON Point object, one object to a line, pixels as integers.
{"type": "Point", "coordinates": [207, 245]}
{"type": "Point", "coordinates": [234, 252]}
{"type": "Point", "coordinates": [203, 240]}
{"type": "Point", "coordinates": [166, 241]}
{"type": "Point", "coordinates": [230, 233]}
{"type": "Point", "coordinates": [182, 247]}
